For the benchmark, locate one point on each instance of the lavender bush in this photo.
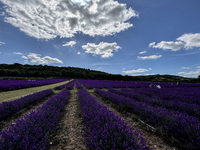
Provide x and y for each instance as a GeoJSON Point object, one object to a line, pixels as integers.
{"type": "Point", "coordinates": [31, 133]}
{"type": "Point", "coordinates": [175, 124]}
{"type": "Point", "coordinates": [104, 130]}
{"type": "Point", "coordinates": [62, 86]}
{"type": "Point", "coordinates": [12, 107]}
{"type": "Point", "coordinates": [7, 85]}
{"type": "Point", "coordinates": [71, 85]}
{"type": "Point", "coordinates": [78, 86]}
{"type": "Point", "coordinates": [191, 109]}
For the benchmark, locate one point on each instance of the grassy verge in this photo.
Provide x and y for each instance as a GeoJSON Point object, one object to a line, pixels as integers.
{"type": "Point", "coordinates": [12, 95]}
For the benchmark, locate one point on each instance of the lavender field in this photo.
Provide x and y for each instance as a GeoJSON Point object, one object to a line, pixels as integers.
{"type": "Point", "coordinates": [172, 111]}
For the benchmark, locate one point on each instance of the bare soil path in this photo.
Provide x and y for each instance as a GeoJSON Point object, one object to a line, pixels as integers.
{"type": "Point", "coordinates": [69, 135]}
{"type": "Point", "coordinates": [15, 94]}
{"type": "Point", "coordinates": [152, 140]}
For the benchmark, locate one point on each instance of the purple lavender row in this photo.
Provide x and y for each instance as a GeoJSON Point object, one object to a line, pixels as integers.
{"type": "Point", "coordinates": [190, 109]}
{"type": "Point", "coordinates": [181, 126]}
{"type": "Point", "coordinates": [12, 107]}
{"type": "Point", "coordinates": [188, 95]}
{"type": "Point", "coordinates": [32, 132]}
{"type": "Point", "coordinates": [78, 86]}
{"type": "Point", "coordinates": [7, 85]}
{"type": "Point", "coordinates": [71, 85]}
{"type": "Point", "coordinates": [104, 129]}
{"type": "Point", "coordinates": [62, 86]}
{"type": "Point", "coordinates": [130, 84]}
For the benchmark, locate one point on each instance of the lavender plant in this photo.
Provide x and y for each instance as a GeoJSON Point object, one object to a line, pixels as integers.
{"type": "Point", "coordinates": [7, 85]}
{"type": "Point", "coordinates": [32, 132]}
{"type": "Point", "coordinates": [104, 130]}
{"type": "Point", "coordinates": [12, 107]}
{"type": "Point", "coordinates": [175, 124]}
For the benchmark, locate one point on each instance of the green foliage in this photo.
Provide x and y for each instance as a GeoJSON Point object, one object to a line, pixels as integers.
{"type": "Point", "coordinates": [46, 71]}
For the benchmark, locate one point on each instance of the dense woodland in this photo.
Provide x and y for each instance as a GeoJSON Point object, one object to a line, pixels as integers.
{"type": "Point", "coordinates": [45, 71]}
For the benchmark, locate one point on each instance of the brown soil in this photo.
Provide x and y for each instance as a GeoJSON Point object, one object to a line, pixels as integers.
{"type": "Point", "coordinates": [69, 135]}
{"type": "Point", "coordinates": [152, 140]}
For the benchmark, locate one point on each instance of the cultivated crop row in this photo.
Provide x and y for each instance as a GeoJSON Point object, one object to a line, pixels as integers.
{"type": "Point", "coordinates": [62, 86]}
{"type": "Point", "coordinates": [7, 85]}
{"type": "Point", "coordinates": [78, 86]}
{"type": "Point", "coordinates": [191, 109]}
{"type": "Point", "coordinates": [173, 124]}
{"type": "Point", "coordinates": [71, 85]}
{"type": "Point", "coordinates": [129, 84]}
{"type": "Point", "coordinates": [104, 130]}
{"type": "Point", "coordinates": [32, 132]}
{"type": "Point", "coordinates": [12, 107]}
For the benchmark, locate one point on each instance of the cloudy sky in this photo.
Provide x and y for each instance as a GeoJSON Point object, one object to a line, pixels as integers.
{"type": "Point", "coordinates": [128, 37]}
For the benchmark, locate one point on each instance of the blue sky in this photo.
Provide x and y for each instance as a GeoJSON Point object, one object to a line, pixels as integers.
{"type": "Point", "coordinates": [128, 37]}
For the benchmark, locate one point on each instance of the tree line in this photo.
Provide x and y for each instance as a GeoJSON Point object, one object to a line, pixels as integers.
{"type": "Point", "coordinates": [45, 71]}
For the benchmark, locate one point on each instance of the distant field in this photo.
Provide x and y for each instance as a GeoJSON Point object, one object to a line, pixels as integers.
{"type": "Point", "coordinates": [12, 95]}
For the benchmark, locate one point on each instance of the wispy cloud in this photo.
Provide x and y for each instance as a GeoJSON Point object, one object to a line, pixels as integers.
{"type": "Point", "coordinates": [174, 46]}
{"type": "Point", "coordinates": [79, 53]}
{"type": "Point", "coordinates": [149, 57]}
{"type": "Point", "coordinates": [2, 43]}
{"type": "Point", "coordinates": [140, 70]}
{"type": "Point", "coordinates": [35, 58]}
{"type": "Point", "coordinates": [142, 52]}
{"type": "Point", "coordinates": [185, 67]}
{"type": "Point", "coordinates": [100, 64]}
{"type": "Point", "coordinates": [104, 49]}
{"type": "Point", "coordinates": [18, 53]}
{"type": "Point", "coordinates": [70, 43]}
{"type": "Point", "coordinates": [191, 73]}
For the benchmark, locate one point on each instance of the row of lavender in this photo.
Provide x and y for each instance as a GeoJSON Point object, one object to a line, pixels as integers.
{"type": "Point", "coordinates": [62, 86]}
{"type": "Point", "coordinates": [104, 130]}
{"type": "Point", "coordinates": [189, 95]}
{"type": "Point", "coordinates": [78, 86]}
{"type": "Point", "coordinates": [69, 85]}
{"type": "Point", "coordinates": [155, 100]}
{"type": "Point", "coordinates": [181, 126]}
{"type": "Point", "coordinates": [7, 85]}
{"type": "Point", "coordinates": [32, 132]}
{"type": "Point", "coordinates": [130, 84]}
{"type": "Point", "coordinates": [12, 107]}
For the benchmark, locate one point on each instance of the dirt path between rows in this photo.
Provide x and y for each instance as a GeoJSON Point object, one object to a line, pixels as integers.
{"type": "Point", "coordinates": [152, 140]}
{"type": "Point", "coordinates": [69, 135]}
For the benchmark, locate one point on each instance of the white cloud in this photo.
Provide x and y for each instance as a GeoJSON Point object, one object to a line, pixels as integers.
{"type": "Point", "coordinates": [24, 57]}
{"type": "Point", "coordinates": [174, 46]}
{"type": "Point", "coordinates": [44, 19]}
{"type": "Point", "coordinates": [35, 58]}
{"type": "Point", "coordinates": [191, 73]}
{"type": "Point", "coordinates": [17, 53]}
{"type": "Point", "coordinates": [2, 43]}
{"type": "Point", "coordinates": [191, 40]}
{"type": "Point", "coordinates": [188, 41]}
{"type": "Point", "coordinates": [70, 43]}
{"type": "Point", "coordinates": [185, 67]}
{"type": "Point", "coordinates": [150, 57]}
{"type": "Point", "coordinates": [104, 49]}
{"type": "Point", "coordinates": [79, 53]}
{"type": "Point", "coordinates": [140, 70]}
{"type": "Point", "coordinates": [198, 67]}
{"type": "Point", "coordinates": [142, 52]}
